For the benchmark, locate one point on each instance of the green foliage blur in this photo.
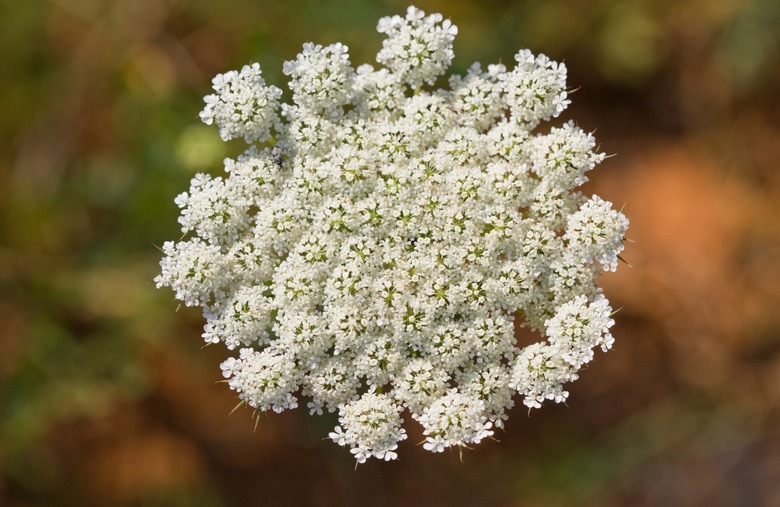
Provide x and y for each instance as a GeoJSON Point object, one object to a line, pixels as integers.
{"type": "Point", "coordinates": [106, 397]}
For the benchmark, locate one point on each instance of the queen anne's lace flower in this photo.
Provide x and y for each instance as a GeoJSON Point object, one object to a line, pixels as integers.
{"type": "Point", "coordinates": [378, 254]}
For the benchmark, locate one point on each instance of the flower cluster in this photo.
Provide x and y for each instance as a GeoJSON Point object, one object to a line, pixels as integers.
{"type": "Point", "coordinates": [379, 244]}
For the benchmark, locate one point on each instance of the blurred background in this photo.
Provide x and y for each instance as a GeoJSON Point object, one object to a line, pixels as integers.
{"type": "Point", "coordinates": [108, 398]}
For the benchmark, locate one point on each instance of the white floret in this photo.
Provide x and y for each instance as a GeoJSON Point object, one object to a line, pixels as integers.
{"type": "Point", "coordinates": [321, 78]}
{"type": "Point", "coordinates": [455, 419]}
{"type": "Point", "coordinates": [371, 426]}
{"type": "Point", "coordinates": [418, 48]}
{"type": "Point", "coordinates": [535, 90]}
{"type": "Point", "coordinates": [244, 106]}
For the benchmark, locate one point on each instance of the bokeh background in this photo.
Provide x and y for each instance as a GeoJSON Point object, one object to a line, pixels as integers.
{"type": "Point", "coordinates": [107, 397]}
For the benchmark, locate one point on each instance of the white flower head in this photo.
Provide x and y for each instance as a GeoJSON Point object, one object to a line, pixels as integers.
{"type": "Point", "coordinates": [418, 48]}
{"type": "Point", "coordinates": [376, 256]}
{"type": "Point", "coordinates": [321, 78]}
{"type": "Point", "coordinates": [244, 106]}
{"type": "Point", "coordinates": [371, 426]}
{"type": "Point", "coordinates": [267, 379]}
{"type": "Point", "coordinates": [455, 419]}
{"type": "Point", "coordinates": [535, 90]}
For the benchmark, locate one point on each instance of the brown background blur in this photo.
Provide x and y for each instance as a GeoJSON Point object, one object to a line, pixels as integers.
{"type": "Point", "coordinates": [107, 397]}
